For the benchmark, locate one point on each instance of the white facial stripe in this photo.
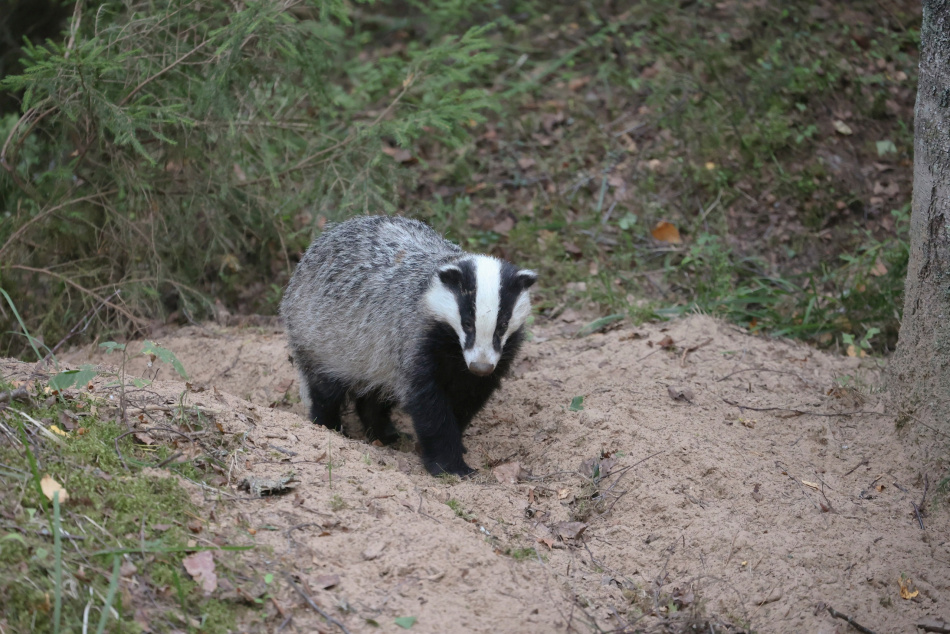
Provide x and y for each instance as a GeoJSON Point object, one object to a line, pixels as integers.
{"type": "Point", "coordinates": [441, 303]}
{"type": "Point", "coordinates": [519, 314]}
{"type": "Point", "coordinates": [487, 299]}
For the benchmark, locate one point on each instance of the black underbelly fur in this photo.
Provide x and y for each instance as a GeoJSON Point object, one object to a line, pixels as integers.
{"type": "Point", "coordinates": [444, 398]}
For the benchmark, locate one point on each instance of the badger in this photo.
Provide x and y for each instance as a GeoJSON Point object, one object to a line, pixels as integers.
{"type": "Point", "coordinates": [385, 311]}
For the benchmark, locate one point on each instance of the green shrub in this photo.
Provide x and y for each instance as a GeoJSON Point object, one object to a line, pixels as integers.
{"type": "Point", "coordinates": [181, 151]}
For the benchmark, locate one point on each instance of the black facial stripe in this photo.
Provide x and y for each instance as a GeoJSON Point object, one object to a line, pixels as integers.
{"type": "Point", "coordinates": [465, 297]}
{"type": "Point", "coordinates": [510, 291]}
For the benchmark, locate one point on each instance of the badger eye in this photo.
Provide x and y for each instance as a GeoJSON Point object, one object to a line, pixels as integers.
{"type": "Point", "coordinates": [468, 324]}
{"type": "Point", "coordinates": [503, 326]}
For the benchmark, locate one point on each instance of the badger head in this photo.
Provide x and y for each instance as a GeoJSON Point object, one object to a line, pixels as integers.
{"type": "Point", "coordinates": [485, 301]}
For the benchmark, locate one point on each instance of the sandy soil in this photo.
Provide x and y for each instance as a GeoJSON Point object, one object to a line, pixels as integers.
{"type": "Point", "coordinates": [689, 499]}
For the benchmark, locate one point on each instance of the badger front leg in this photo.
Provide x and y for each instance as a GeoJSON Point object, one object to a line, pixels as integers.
{"type": "Point", "coordinates": [438, 431]}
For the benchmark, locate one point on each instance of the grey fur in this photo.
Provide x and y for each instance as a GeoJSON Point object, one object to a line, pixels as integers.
{"type": "Point", "coordinates": [355, 303]}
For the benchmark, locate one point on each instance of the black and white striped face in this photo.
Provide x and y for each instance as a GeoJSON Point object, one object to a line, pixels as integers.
{"type": "Point", "coordinates": [485, 301]}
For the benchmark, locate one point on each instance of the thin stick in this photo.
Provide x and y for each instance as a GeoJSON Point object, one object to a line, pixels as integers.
{"type": "Point", "coordinates": [16, 234]}
{"type": "Point", "coordinates": [863, 462]}
{"type": "Point", "coordinates": [81, 289]}
{"type": "Point", "coordinates": [796, 411]}
{"type": "Point", "coordinates": [850, 621]}
{"type": "Point", "coordinates": [316, 607]}
{"type": "Point", "coordinates": [759, 370]}
{"type": "Point", "coordinates": [147, 80]}
{"type": "Point", "coordinates": [87, 318]}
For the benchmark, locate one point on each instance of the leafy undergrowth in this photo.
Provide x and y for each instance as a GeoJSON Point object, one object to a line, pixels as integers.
{"type": "Point", "coordinates": [742, 158]}
{"type": "Point", "coordinates": [751, 160]}
{"type": "Point", "coordinates": [108, 553]}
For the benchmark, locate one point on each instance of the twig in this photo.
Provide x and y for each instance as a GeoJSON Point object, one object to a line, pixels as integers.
{"type": "Point", "coordinates": [313, 605]}
{"type": "Point", "coordinates": [170, 458]}
{"type": "Point", "coordinates": [19, 394]}
{"type": "Point", "coordinates": [50, 435]}
{"type": "Point", "coordinates": [8, 164]}
{"type": "Point", "coordinates": [73, 28]}
{"type": "Point", "coordinates": [800, 412]}
{"type": "Point", "coordinates": [16, 234]}
{"type": "Point", "coordinates": [759, 370]}
{"type": "Point", "coordinates": [171, 408]}
{"type": "Point", "coordinates": [147, 80]}
{"type": "Point", "coordinates": [347, 139]}
{"type": "Point", "coordinates": [81, 289]}
{"type": "Point", "coordinates": [863, 462]}
{"type": "Point", "coordinates": [87, 318]}
{"type": "Point", "coordinates": [850, 621]}
{"type": "Point", "coordinates": [933, 429]}
{"type": "Point", "coordinates": [686, 351]}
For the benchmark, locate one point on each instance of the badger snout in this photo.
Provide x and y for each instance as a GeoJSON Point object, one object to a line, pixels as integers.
{"type": "Point", "coordinates": [481, 368]}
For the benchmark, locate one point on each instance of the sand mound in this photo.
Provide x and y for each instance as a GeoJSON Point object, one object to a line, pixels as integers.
{"type": "Point", "coordinates": [705, 470]}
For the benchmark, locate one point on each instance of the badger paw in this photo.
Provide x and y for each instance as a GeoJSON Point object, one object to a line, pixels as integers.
{"type": "Point", "coordinates": [460, 469]}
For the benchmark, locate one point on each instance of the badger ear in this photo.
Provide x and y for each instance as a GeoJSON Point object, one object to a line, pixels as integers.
{"type": "Point", "coordinates": [450, 275]}
{"type": "Point", "coordinates": [526, 278]}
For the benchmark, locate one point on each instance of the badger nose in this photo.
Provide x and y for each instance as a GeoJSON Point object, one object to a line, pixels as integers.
{"type": "Point", "coordinates": [481, 368]}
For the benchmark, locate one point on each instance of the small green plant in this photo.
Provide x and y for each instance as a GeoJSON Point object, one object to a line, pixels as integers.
{"type": "Point", "coordinates": [577, 404]}
{"type": "Point", "coordinates": [859, 347]}
{"type": "Point", "coordinates": [459, 511]}
{"type": "Point", "coordinates": [46, 570]}
{"type": "Point", "coordinates": [337, 503]}
{"type": "Point", "coordinates": [521, 554]}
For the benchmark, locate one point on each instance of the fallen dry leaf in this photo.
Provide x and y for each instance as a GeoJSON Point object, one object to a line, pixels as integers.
{"type": "Point", "coordinates": [665, 342]}
{"type": "Point", "coordinates": [507, 473]}
{"type": "Point", "coordinates": [878, 269]}
{"type": "Point", "coordinates": [51, 486]}
{"type": "Point", "coordinates": [813, 485]}
{"type": "Point", "coordinates": [666, 232]}
{"type": "Point", "coordinates": [563, 493]}
{"type": "Point", "coordinates": [325, 581]}
{"type": "Point", "coordinates": [842, 128]}
{"type": "Point", "coordinates": [569, 530]}
{"type": "Point", "coordinates": [854, 351]}
{"type": "Point", "coordinates": [680, 393]}
{"type": "Point", "coordinates": [905, 585]}
{"type": "Point", "coordinates": [526, 162]}
{"type": "Point", "coordinates": [201, 568]}
{"type": "Point", "coordinates": [504, 226]}
{"type": "Point", "coordinates": [399, 155]}
{"type": "Point", "coordinates": [577, 83]}
{"type": "Point", "coordinates": [143, 438]}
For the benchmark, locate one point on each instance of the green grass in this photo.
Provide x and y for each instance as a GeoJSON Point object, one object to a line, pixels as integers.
{"type": "Point", "coordinates": [775, 138]}
{"type": "Point", "coordinates": [61, 560]}
{"type": "Point", "coordinates": [522, 554]}
{"type": "Point", "coordinates": [719, 122]}
{"type": "Point", "coordinates": [459, 510]}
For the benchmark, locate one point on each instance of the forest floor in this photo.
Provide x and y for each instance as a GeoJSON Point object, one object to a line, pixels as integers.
{"type": "Point", "coordinates": [707, 479]}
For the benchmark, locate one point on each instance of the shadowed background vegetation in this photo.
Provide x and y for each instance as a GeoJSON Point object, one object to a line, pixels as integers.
{"type": "Point", "coordinates": [162, 162]}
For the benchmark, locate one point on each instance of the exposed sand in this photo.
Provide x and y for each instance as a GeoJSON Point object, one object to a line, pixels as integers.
{"type": "Point", "coordinates": [755, 519]}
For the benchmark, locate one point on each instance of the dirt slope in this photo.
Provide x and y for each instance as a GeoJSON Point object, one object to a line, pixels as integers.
{"type": "Point", "coordinates": [756, 518]}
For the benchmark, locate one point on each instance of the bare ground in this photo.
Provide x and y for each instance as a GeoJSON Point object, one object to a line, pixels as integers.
{"type": "Point", "coordinates": [694, 510]}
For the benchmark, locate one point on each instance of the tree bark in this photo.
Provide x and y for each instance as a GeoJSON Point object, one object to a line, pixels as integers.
{"type": "Point", "coordinates": [920, 370]}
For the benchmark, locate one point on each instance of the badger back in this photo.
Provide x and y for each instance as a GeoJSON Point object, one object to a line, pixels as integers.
{"type": "Point", "coordinates": [486, 302]}
{"type": "Point", "coordinates": [352, 306]}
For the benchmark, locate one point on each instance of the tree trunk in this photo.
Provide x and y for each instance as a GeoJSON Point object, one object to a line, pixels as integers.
{"type": "Point", "coordinates": [920, 370]}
